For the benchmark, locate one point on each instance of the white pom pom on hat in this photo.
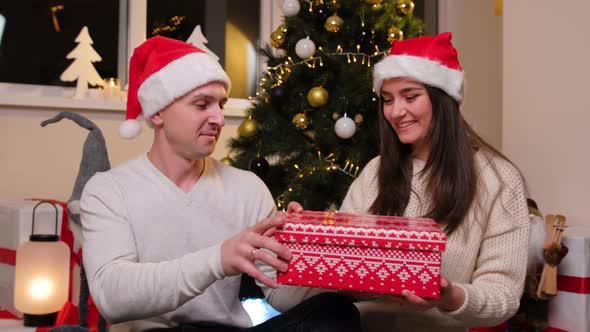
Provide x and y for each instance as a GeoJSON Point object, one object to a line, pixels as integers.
{"type": "Point", "coordinates": [130, 129]}
{"type": "Point", "coordinates": [162, 70]}
{"type": "Point", "coordinates": [431, 60]}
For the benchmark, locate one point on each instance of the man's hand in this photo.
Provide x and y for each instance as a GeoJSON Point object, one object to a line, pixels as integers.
{"type": "Point", "coordinates": [292, 207]}
{"type": "Point", "coordinates": [239, 253]}
{"type": "Point", "coordinates": [451, 298]}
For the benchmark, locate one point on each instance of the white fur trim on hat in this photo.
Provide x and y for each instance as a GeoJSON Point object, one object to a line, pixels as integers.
{"type": "Point", "coordinates": [178, 78]}
{"type": "Point", "coordinates": [426, 71]}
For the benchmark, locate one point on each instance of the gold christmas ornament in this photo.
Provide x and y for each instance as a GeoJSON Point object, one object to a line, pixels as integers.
{"type": "Point", "coordinates": [226, 160]}
{"type": "Point", "coordinates": [405, 7]}
{"type": "Point", "coordinates": [247, 128]}
{"type": "Point", "coordinates": [333, 23]}
{"type": "Point", "coordinates": [317, 97]}
{"type": "Point", "coordinates": [333, 5]}
{"type": "Point", "coordinates": [374, 2]}
{"type": "Point", "coordinates": [394, 33]}
{"type": "Point", "coordinates": [300, 121]}
{"type": "Point", "coordinates": [277, 38]}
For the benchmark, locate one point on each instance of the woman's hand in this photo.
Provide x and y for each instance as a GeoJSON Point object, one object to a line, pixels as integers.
{"type": "Point", "coordinates": [450, 299]}
{"type": "Point", "coordinates": [294, 207]}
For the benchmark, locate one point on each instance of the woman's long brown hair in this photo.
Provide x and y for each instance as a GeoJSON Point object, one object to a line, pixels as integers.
{"type": "Point", "coordinates": [451, 170]}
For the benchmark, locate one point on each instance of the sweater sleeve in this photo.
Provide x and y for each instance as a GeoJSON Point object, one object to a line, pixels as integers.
{"type": "Point", "coordinates": [122, 288]}
{"type": "Point", "coordinates": [493, 296]}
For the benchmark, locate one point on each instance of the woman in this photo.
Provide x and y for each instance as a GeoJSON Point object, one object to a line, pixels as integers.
{"type": "Point", "coordinates": [433, 164]}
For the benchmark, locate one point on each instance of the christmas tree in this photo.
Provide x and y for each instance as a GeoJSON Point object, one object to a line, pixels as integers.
{"type": "Point", "coordinates": [82, 68]}
{"type": "Point", "coordinates": [313, 123]}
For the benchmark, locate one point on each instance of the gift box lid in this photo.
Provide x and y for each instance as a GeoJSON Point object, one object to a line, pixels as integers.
{"type": "Point", "coordinates": [345, 229]}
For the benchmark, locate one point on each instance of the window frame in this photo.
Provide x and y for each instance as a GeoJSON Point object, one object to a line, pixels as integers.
{"type": "Point", "coordinates": [132, 22]}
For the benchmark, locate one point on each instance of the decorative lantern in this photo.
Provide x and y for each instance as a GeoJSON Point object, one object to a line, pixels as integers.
{"type": "Point", "coordinates": [41, 276]}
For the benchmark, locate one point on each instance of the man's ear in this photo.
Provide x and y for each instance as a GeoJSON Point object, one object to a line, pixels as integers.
{"type": "Point", "coordinates": [156, 119]}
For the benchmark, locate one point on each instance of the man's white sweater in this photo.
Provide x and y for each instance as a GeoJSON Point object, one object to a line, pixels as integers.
{"type": "Point", "coordinates": [486, 256]}
{"type": "Point", "coordinates": [151, 251]}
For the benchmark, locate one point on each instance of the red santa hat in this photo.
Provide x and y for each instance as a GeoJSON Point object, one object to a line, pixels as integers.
{"type": "Point", "coordinates": [431, 60]}
{"type": "Point", "coordinates": [162, 70]}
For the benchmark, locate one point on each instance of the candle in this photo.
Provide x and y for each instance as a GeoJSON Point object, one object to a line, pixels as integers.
{"type": "Point", "coordinates": [112, 89]}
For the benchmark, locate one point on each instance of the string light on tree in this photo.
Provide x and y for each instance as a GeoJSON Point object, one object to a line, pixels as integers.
{"type": "Point", "coordinates": [367, 37]}
{"type": "Point", "coordinates": [305, 48]}
{"type": "Point", "coordinates": [290, 7]}
{"type": "Point", "coordinates": [405, 7]}
{"type": "Point", "coordinates": [374, 2]}
{"type": "Point", "coordinates": [345, 127]}
{"type": "Point", "coordinates": [394, 33]}
{"type": "Point", "coordinates": [317, 97]}
{"type": "Point", "coordinates": [333, 5]}
{"type": "Point", "coordinates": [275, 73]}
{"type": "Point", "coordinates": [376, 8]}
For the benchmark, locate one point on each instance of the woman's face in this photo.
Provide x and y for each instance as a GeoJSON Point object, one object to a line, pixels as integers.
{"type": "Point", "coordinates": [407, 108]}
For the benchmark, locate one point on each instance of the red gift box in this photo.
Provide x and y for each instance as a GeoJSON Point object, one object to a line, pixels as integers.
{"type": "Point", "coordinates": [367, 253]}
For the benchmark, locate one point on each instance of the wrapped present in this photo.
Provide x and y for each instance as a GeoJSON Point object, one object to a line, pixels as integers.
{"type": "Point", "coordinates": [15, 228]}
{"type": "Point", "coordinates": [569, 310]}
{"type": "Point", "coordinates": [367, 253]}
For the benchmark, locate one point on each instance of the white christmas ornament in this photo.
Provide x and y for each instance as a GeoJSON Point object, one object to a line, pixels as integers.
{"type": "Point", "coordinates": [305, 48]}
{"type": "Point", "coordinates": [290, 7]}
{"type": "Point", "coordinates": [345, 127]}
{"type": "Point", "coordinates": [198, 39]}
{"type": "Point", "coordinates": [82, 68]}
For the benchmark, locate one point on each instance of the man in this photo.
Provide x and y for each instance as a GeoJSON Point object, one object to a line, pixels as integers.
{"type": "Point", "coordinates": [167, 235]}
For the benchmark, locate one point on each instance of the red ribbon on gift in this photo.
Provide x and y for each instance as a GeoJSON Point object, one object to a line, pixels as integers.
{"type": "Point", "coordinates": [7, 256]}
{"type": "Point", "coordinates": [553, 329]}
{"type": "Point", "coordinates": [579, 285]}
{"type": "Point", "coordinates": [7, 315]}
{"type": "Point", "coordinates": [498, 328]}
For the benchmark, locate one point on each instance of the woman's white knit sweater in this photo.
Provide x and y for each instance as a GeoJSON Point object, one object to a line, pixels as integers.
{"type": "Point", "coordinates": [486, 256]}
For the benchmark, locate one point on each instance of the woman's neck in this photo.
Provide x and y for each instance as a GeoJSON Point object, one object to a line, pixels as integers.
{"type": "Point", "coordinates": [421, 151]}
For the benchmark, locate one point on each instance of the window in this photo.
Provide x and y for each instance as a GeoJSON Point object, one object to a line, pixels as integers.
{"type": "Point", "coordinates": [38, 34]}
{"type": "Point", "coordinates": [32, 51]}
{"type": "Point", "coordinates": [232, 28]}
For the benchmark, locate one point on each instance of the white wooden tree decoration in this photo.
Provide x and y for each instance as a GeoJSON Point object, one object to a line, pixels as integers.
{"type": "Point", "coordinates": [198, 39]}
{"type": "Point", "coordinates": [82, 68]}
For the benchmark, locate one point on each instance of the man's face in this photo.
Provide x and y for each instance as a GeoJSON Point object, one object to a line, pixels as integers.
{"type": "Point", "coordinates": [192, 123]}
